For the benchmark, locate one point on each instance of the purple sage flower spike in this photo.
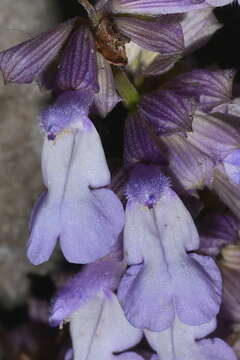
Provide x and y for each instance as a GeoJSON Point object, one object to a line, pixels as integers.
{"type": "Point", "coordinates": [163, 276]}
{"type": "Point", "coordinates": [78, 64]}
{"type": "Point", "coordinates": [186, 342]}
{"type": "Point", "coordinates": [97, 323]}
{"type": "Point", "coordinates": [23, 63]}
{"type": "Point", "coordinates": [85, 217]}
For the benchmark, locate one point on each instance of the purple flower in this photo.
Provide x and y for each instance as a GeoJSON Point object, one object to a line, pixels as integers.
{"type": "Point", "coordinates": [76, 209]}
{"type": "Point", "coordinates": [163, 277]}
{"type": "Point", "coordinates": [197, 26]}
{"type": "Point", "coordinates": [83, 52]}
{"type": "Point", "coordinates": [97, 323]}
{"type": "Point", "coordinates": [186, 342]}
{"type": "Point", "coordinates": [188, 167]}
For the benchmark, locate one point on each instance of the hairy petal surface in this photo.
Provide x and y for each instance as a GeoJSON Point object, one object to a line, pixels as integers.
{"type": "Point", "coordinates": [66, 111]}
{"type": "Point", "coordinates": [163, 278]}
{"type": "Point", "coordinates": [102, 275]}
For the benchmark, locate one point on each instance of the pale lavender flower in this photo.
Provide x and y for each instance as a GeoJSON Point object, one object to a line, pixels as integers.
{"type": "Point", "coordinates": [76, 209]}
{"type": "Point", "coordinates": [187, 342]}
{"type": "Point", "coordinates": [163, 276]}
{"type": "Point", "coordinates": [98, 326]}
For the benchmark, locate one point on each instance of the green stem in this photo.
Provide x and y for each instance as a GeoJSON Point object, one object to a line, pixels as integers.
{"type": "Point", "coordinates": [125, 88]}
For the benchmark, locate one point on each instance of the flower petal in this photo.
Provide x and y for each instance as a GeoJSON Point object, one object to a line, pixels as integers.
{"type": "Point", "coordinates": [154, 34]}
{"type": "Point", "coordinates": [183, 341]}
{"type": "Point", "coordinates": [161, 64]}
{"type": "Point", "coordinates": [231, 165]}
{"type": "Point", "coordinates": [92, 332]}
{"type": "Point", "coordinates": [217, 136]}
{"type": "Point", "coordinates": [198, 26]}
{"type": "Point", "coordinates": [24, 62]}
{"type": "Point", "coordinates": [188, 167]}
{"type": "Point", "coordinates": [163, 277]}
{"type": "Point", "coordinates": [78, 65]}
{"type": "Point", "coordinates": [87, 221]}
{"type": "Point", "coordinates": [139, 145]}
{"type": "Point", "coordinates": [156, 7]}
{"type": "Point", "coordinates": [107, 97]}
{"type": "Point", "coordinates": [103, 274]}
{"type": "Point", "coordinates": [210, 88]}
{"type": "Point", "coordinates": [217, 231]}
{"type": "Point", "coordinates": [167, 112]}
{"type": "Point", "coordinates": [97, 220]}
{"type": "Point", "coordinates": [70, 108]}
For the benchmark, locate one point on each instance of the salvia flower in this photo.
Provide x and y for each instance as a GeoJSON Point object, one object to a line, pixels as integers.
{"type": "Point", "coordinates": [163, 277]}
{"type": "Point", "coordinates": [98, 326]}
{"type": "Point", "coordinates": [76, 209]}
